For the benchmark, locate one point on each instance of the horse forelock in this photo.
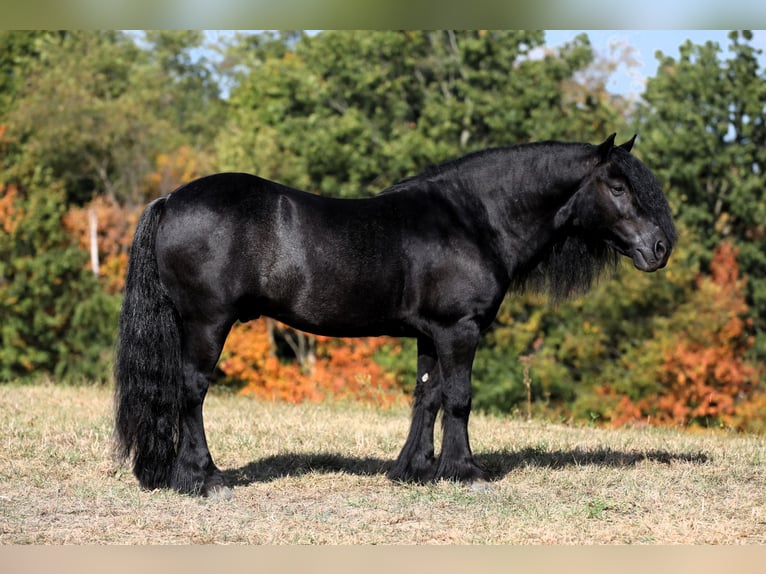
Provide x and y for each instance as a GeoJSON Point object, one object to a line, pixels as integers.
{"type": "Point", "coordinates": [647, 191]}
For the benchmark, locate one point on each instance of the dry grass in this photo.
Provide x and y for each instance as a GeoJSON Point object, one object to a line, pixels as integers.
{"type": "Point", "coordinates": [313, 474]}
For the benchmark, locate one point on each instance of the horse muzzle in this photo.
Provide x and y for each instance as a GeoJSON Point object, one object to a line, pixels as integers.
{"type": "Point", "coordinates": [651, 256]}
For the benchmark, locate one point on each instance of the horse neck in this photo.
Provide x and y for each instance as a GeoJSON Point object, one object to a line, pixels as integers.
{"type": "Point", "coordinates": [544, 174]}
{"type": "Point", "coordinates": [521, 189]}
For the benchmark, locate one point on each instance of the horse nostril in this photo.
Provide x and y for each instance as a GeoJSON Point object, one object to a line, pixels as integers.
{"type": "Point", "coordinates": [660, 250]}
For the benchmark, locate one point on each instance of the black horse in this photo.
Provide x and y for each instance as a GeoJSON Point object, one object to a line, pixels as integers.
{"type": "Point", "coordinates": [431, 258]}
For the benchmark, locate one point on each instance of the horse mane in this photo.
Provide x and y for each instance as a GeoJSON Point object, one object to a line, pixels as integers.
{"type": "Point", "coordinates": [432, 171]}
{"type": "Point", "coordinates": [647, 190]}
{"type": "Point", "coordinates": [574, 262]}
{"type": "Point", "coordinates": [568, 268]}
{"type": "Point", "coordinates": [454, 169]}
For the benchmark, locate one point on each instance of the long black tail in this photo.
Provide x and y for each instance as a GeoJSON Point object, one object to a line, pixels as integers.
{"type": "Point", "coordinates": [148, 367]}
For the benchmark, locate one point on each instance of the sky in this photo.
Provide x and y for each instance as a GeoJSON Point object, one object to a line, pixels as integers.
{"type": "Point", "coordinates": [630, 82]}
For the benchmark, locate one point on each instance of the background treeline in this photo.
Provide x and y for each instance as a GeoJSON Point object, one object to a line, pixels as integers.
{"type": "Point", "coordinates": [95, 124]}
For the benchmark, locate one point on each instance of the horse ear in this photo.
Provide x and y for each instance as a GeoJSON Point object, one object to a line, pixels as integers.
{"type": "Point", "coordinates": [606, 147]}
{"type": "Point", "coordinates": [628, 145]}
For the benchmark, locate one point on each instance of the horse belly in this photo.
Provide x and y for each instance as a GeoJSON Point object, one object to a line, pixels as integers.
{"type": "Point", "coordinates": [326, 299]}
{"type": "Point", "coordinates": [317, 282]}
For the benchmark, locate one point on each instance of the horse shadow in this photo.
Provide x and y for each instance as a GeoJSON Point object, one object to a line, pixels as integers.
{"type": "Point", "coordinates": [497, 463]}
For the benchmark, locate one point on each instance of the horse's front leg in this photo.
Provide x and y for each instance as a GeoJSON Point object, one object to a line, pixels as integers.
{"type": "Point", "coordinates": [416, 460]}
{"type": "Point", "coordinates": [194, 471]}
{"type": "Point", "coordinates": [456, 349]}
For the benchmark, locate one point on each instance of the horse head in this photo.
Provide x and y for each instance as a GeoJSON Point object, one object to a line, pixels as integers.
{"type": "Point", "coordinates": [621, 203]}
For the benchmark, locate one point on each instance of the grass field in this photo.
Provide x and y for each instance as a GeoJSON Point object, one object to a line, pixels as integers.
{"type": "Point", "coordinates": [314, 474]}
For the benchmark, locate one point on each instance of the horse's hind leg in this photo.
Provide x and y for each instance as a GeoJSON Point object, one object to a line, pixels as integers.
{"type": "Point", "coordinates": [416, 461]}
{"type": "Point", "coordinates": [194, 471]}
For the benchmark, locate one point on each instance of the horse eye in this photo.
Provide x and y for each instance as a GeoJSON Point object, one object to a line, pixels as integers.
{"type": "Point", "coordinates": [618, 189]}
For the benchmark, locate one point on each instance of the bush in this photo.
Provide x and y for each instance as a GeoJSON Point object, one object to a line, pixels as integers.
{"type": "Point", "coordinates": [56, 319]}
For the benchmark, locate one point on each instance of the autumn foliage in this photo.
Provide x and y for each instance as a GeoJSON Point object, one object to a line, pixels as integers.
{"type": "Point", "coordinates": [704, 375]}
{"type": "Point", "coordinates": [114, 232]}
{"type": "Point", "coordinates": [176, 168]}
{"type": "Point", "coordinates": [10, 213]}
{"type": "Point", "coordinates": [115, 222]}
{"type": "Point", "coordinates": [9, 210]}
{"type": "Point", "coordinates": [338, 369]}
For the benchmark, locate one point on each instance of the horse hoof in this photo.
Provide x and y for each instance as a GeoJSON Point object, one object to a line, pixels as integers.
{"type": "Point", "coordinates": [480, 485]}
{"type": "Point", "coordinates": [219, 492]}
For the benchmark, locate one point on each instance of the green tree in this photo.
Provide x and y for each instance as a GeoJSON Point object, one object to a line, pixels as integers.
{"type": "Point", "coordinates": [191, 97]}
{"type": "Point", "coordinates": [702, 129]}
{"type": "Point", "coordinates": [76, 115]}
{"type": "Point", "coordinates": [349, 113]}
{"type": "Point", "coordinates": [96, 109]}
{"type": "Point", "coordinates": [54, 316]}
{"type": "Point", "coordinates": [16, 48]}
{"type": "Point", "coordinates": [84, 113]}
